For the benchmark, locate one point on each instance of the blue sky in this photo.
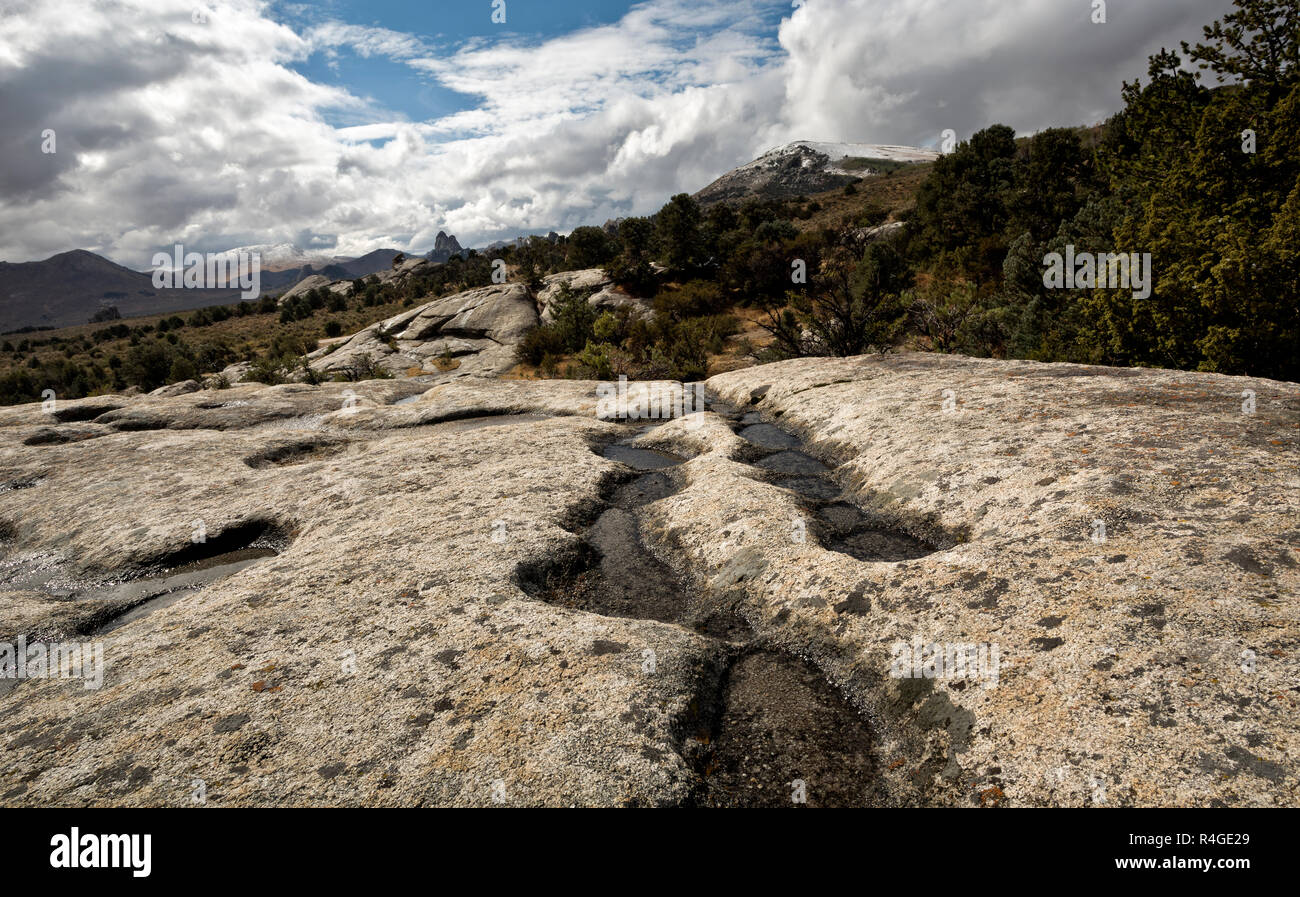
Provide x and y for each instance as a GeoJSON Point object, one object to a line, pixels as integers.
{"type": "Point", "coordinates": [347, 126]}
{"type": "Point", "coordinates": [441, 26]}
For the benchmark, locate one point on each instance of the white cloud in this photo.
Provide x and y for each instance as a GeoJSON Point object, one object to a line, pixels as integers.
{"type": "Point", "coordinates": [172, 131]}
{"type": "Point", "coordinates": [902, 71]}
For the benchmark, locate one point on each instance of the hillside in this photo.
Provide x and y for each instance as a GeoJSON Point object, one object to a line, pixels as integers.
{"type": "Point", "coordinates": [69, 288]}
{"type": "Point", "coordinates": [806, 167]}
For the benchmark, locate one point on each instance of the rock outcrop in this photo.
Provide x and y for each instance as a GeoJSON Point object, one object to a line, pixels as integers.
{"type": "Point", "coordinates": [313, 282]}
{"type": "Point", "coordinates": [444, 247]}
{"type": "Point", "coordinates": [602, 292]}
{"type": "Point", "coordinates": [474, 333]}
{"type": "Point", "coordinates": [478, 330]}
{"type": "Point", "coordinates": [479, 593]}
{"type": "Point", "coordinates": [396, 272]}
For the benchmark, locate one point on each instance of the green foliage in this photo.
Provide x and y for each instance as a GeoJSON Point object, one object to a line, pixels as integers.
{"type": "Point", "coordinates": [148, 364]}
{"type": "Point", "coordinates": [1171, 175]}
{"type": "Point", "coordinates": [590, 247]}
{"type": "Point", "coordinates": [677, 234]}
{"type": "Point", "coordinates": [571, 326]}
{"type": "Point", "coordinates": [1219, 222]}
{"type": "Point", "coordinates": [1258, 43]}
{"type": "Point", "coordinates": [854, 306]}
{"type": "Point", "coordinates": [539, 344]}
{"type": "Point", "coordinates": [574, 318]}
{"type": "Point", "coordinates": [961, 208]}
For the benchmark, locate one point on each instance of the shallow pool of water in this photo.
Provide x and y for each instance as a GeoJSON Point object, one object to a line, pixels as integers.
{"type": "Point", "coordinates": [640, 458]}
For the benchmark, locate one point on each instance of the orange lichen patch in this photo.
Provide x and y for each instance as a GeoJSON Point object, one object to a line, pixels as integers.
{"type": "Point", "coordinates": [992, 797]}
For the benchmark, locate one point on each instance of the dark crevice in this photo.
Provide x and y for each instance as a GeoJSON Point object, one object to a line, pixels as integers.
{"type": "Point", "coordinates": [544, 578]}
{"type": "Point", "coordinates": [77, 413]}
{"type": "Point", "coordinates": [252, 534]}
{"type": "Point", "coordinates": [164, 580]}
{"type": "Point", "coordinates": [94, 603]}
{"type": "Point", "coordinates": [299, 452]}
{"type": "Point", "coordinates": [484, 413]}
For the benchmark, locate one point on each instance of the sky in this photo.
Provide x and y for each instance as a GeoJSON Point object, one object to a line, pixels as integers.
{"type": "Point", "coordinates": [346, 126]}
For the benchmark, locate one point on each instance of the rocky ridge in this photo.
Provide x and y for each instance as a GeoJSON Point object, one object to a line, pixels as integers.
{"type": "Point", "coordinates": [803, 168]}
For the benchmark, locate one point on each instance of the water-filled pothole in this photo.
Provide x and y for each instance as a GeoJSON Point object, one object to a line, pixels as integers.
{"type": "Point", "coordinates": [640, 458]}
{"type": "Point", "coordinates": [781, 736]}
{"type": "Point", "coordinates": [843, 526]}
{"type": "Point", "coordinates": [762, 719]}
{"type": "Point", "coordinates": [812, 488]}
{"type": "Point", "coordinates": [93, 604]}
{"type": "Point", "coordinates": [852, 532]}
{"type": "Point", "coordinates": [794, 464]}
{"type": "Point", "coordinates": [615, 574]}
{"type": "Point", "coordinates": [148, 595]}
{"type": "Point", "coordinates": [768, 436]}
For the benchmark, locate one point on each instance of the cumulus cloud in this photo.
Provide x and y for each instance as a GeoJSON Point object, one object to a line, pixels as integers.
{"type": "Point", "coordinates": [902, 71]}
{"type": "Point", "coordinates": [206, 133]}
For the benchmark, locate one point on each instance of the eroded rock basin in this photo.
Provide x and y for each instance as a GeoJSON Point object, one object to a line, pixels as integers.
{"type": "Point", "coordinates": [783, 737]}
{"type": "Point", "coordinates": [149, 595]}
{"type": "Point", "coordinates": [767, 730]}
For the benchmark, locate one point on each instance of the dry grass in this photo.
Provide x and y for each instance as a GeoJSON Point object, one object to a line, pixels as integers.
{"type": "Point", "coordinates": [895, 192]}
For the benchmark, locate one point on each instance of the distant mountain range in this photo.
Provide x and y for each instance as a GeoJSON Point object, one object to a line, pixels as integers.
{"type": "Point", "coordinates": [72, 287]}
{"type": "Point", "coordinates": [336, 269]}
{"type": "Point", "coordinates": [806, 167]}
